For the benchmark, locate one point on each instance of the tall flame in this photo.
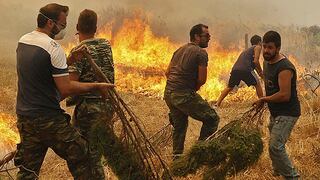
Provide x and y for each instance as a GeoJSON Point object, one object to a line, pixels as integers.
{"type": "Point", "coordinates": [141, 59]}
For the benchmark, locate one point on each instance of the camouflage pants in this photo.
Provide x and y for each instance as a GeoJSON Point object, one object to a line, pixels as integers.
{"type": "Point", "coordinates": [184, 104]}
{"type": "Point", "coordinates": [55, 132]}
{"type": "Point", "coordinates": [93, 119]}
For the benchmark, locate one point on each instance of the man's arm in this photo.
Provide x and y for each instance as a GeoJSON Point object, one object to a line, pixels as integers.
{"type": "Point", "coordinates": [257, 51]}
{"type": "Point", "coordinates": [74, 76]}
{"type": "Point", "coordinates": [202, 76]}
{"type": "Point", "coordinates": [169, 66]}
{"type": "Point", "coordinates": [66, 87]}
{"type": "Point", "coordinates": [284, 94]}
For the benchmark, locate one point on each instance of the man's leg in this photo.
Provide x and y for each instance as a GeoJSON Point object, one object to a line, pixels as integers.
{"type": "Point", "coordinates": [90, 129]}
{"type": "Point", "coordinates": [94, 120]}
{"type": "Point", "coordinates": [122, 160]}
{"type": "Point", "coordinates": [223, 94]}
{"type": "Point", "coordinates": [199, 109]}
{"type": "Point", "coordinates": [30, 152]}
{"type": "Point", "coordinates": [179, 121]}
{"type": "Point", "coordinates": [234, 80]}
{"type": "Point", "coordinates": [280, 129]}
{"type": "Point", "coordinates": [254, 80]}
{"type": "Point", "coordinates": [69, 145]}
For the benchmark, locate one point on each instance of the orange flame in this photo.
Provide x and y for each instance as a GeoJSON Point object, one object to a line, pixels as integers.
{"type": "Point", "coordinates": [8, 137]}
{"type": "Point", "coordinates": [141, 59]}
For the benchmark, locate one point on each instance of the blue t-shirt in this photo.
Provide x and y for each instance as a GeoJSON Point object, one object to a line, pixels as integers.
{"type": "Point", "coordinates": [39, 60]}
{"type": "Point", "coordinates": [245, 61]}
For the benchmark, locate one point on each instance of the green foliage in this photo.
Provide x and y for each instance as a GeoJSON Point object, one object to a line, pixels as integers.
{"type": "Point", "coordinates": [202, 153]}
{"type": "Point", "coordinates": [234, 150]}
{"type": "Point", "coordinates": [123, 160]}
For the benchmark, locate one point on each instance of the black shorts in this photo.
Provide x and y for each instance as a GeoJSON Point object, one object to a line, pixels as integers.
{"type": "Point", "coordinates": [250, 78]}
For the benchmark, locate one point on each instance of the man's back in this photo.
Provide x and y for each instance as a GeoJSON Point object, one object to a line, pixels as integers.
{"type": "Point", "coordinates": [39, 59]}
{"type": "Point", "coordinates": [245, 60]}
{"type": "Point", "coordinates": [183, 68]}
{"type": "Point", "coordinates": [101, 53]}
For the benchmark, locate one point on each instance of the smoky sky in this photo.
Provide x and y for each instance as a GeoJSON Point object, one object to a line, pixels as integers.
{"type": "Point", "coordinates": [227, 19]}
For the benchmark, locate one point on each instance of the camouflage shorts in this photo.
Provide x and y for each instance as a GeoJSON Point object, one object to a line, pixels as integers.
{"type": "Point", "coordinates": [55, 132]}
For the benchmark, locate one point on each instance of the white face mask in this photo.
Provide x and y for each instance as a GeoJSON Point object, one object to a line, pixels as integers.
{"type": "Point", "coordinates": [60, 35]}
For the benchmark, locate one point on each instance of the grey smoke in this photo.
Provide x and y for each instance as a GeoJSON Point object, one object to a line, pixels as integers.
{"type": "Point", "coordinates": [228, 20]}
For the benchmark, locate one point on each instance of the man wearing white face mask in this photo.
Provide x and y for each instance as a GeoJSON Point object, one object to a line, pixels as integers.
{"type": "Point", "coordinates": [58, 31]}
{"type": "Point", "coordinates": [43, 81]}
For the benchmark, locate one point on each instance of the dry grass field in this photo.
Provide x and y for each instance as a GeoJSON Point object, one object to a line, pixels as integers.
{"type": "Point", "coordinates": [303, 145]}
{"type": "Point", "coordinates": [141, 59]}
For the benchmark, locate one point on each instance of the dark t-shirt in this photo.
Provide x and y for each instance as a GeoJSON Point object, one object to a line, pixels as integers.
{"type": "Point", "coordinates": [183, 68]}
{"type": "Point", "coordinates": [271, 73]}
{"type": "Point", "coordinates": [39, 59]}
{"type": "Point", "coordinates": [245, 61]}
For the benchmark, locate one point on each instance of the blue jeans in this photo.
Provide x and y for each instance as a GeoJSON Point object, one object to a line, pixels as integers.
{"type": "Point", "coordinates": [280, 128]}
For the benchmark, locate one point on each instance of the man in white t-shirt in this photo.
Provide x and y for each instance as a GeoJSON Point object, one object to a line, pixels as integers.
{"type": "Point", "coordinates": [43, 81]}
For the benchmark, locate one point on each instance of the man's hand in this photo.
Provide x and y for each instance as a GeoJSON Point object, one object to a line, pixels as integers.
{"type": "Point", "coordinates": [202, 76]}
{"type": "Point", "coordinates": [258, 104]}
{"type": "Point", "coordinates": [103, 88]}
{"type": "Point", "coordinates": [77, 54]}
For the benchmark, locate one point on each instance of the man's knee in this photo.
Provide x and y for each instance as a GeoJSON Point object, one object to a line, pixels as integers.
{"type": "Point", "coordinates": [29, 162]}
{"type": "Point", "coordinates": [276, 147]}
{"type": "Point", "coordinates": [211, 119]}
{"type": "Point", "coordinates": [178, 121]}
{"type": "Point", "coordinates": [77, 151]}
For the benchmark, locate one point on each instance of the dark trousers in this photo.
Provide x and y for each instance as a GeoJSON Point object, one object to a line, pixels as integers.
{"type": "Point", "coordinates": [55, 132]}
{"type": "Point", "coordinates": [184, 104]}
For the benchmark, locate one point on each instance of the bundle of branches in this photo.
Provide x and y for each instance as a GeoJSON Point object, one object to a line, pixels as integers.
{"type": "Point", "coordinates": [233, 148]}
{"type": "Point", "coordinates": [134, 157]}
{"type": "Point", "coordinates": [163, 137]}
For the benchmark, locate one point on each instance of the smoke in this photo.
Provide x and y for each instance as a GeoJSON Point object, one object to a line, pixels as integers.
{"type": "Point", "coordinates": [228, 20]}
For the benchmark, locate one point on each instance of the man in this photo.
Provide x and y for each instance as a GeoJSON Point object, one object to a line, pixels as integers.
{"type": "Point", "coordinates": [93, 114]}
{"type": "Point", "coordinates": [282, 99]}
{"type": "Point", "coordinates": [43, 81]}
{"type": "Point", "coordinates": [186, 73]}
{"type": "Point", "coordinates": [243, 70]}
